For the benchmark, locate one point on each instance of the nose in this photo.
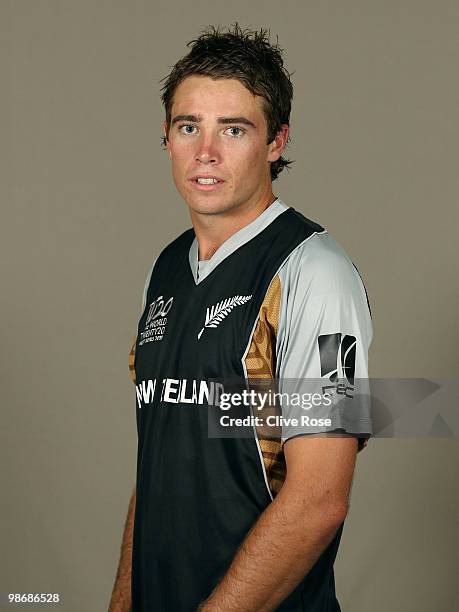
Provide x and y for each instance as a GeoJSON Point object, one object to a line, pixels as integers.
{"type": "Point", "coordinates": [207, 150]}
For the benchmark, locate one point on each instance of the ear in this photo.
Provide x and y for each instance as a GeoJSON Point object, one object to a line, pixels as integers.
{"type": "Point", "coordinates": [276, 147]}
{"type": "Point", "coordinates": [166, 137]}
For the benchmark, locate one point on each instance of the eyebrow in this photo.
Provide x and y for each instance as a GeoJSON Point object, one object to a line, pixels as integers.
{"type": "Point", "coordinates": [223, 120]}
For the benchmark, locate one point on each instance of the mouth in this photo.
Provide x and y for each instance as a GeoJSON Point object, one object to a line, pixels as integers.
{"type": "Point", "coordinates": [206, 183]}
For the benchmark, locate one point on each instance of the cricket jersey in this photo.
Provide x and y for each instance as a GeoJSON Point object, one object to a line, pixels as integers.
{"type": "Point", "coordinates": [278, 300]}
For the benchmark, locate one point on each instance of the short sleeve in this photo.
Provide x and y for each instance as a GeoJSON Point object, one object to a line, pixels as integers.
{"type": "Point", "coordinates": [131, 358]}
{"type": "Point", "coordinates": [146, 285]}
{"type": "Point", "coordinates": [325, 331]}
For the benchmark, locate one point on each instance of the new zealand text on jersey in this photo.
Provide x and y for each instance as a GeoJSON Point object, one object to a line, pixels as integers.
{"type": "Point", "coordinates": [180, 391]}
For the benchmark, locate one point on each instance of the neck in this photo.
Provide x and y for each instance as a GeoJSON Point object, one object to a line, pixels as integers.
{"type": "Point", "coordinates": [212, 230]}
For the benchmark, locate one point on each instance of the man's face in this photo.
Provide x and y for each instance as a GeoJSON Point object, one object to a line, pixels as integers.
{"type": "Point", "coordinates": [218, 129]}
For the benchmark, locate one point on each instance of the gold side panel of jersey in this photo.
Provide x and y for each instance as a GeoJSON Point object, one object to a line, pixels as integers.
{"type": "Point", "coordinates": [260, 362]}
{"type": "Point", "coordinates": [131, 361]}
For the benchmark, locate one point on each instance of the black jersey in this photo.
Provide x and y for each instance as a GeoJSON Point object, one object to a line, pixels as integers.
{"type": "Point", "coordinates": [197, 496]}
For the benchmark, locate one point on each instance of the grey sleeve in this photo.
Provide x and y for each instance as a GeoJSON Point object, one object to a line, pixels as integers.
{"type": "Point", "coordinates": [325, 331]}
{"type": "Point", "coordinates": [145, 288]}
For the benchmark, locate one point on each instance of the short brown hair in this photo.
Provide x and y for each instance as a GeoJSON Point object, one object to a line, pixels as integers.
{"type": "Point", "coordinates": [247, 56]}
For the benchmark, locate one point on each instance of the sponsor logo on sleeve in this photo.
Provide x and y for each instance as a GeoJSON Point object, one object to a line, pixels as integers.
{"type": "Point", "coordinates": [337, 362]}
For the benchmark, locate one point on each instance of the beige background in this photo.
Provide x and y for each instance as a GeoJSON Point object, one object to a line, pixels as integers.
{"type": "Point", "coordinates": [87, 202]}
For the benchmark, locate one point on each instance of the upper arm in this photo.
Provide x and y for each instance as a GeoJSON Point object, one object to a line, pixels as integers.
{"type": "Point", "coordinates": [325, 331]}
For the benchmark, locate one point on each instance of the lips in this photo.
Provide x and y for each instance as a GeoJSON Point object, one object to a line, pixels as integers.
{"type": "Point", "coordinates": [203, 187]}
{"type": "Point", "coordinates": [206, 176]}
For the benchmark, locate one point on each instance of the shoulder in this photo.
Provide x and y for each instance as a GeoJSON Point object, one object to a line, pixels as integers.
{"type": "Point", "coordinates": [170, 253]}
{"type": "Point", "coordinates": [182, 241]}
{"type": "Point", "coordinates": [322, 290]}
{"type": "Point", "coordinates": [170, 250]}
{"type": "Point", "coordinates": [319, 265]}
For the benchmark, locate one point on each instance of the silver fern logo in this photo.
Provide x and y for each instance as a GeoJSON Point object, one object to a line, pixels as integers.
{"type": "Point", "coordinates": [215, 314]}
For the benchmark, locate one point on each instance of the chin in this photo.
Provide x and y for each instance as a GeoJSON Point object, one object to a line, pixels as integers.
{"type": "Point", "coordinates": [208, 208]}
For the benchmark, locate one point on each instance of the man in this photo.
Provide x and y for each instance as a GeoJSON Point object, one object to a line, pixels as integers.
{"type": "Point", "coordinates": [253, 290]}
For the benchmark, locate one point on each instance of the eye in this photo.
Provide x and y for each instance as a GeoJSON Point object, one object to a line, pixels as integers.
{"type": "Point", "coordinates": [186, 131]}
{"type": "Point", "coordinates": [240, 130]}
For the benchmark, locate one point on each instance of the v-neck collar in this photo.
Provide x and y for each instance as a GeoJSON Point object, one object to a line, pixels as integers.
{"type": "Point", "coordinates": [235, 241]}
